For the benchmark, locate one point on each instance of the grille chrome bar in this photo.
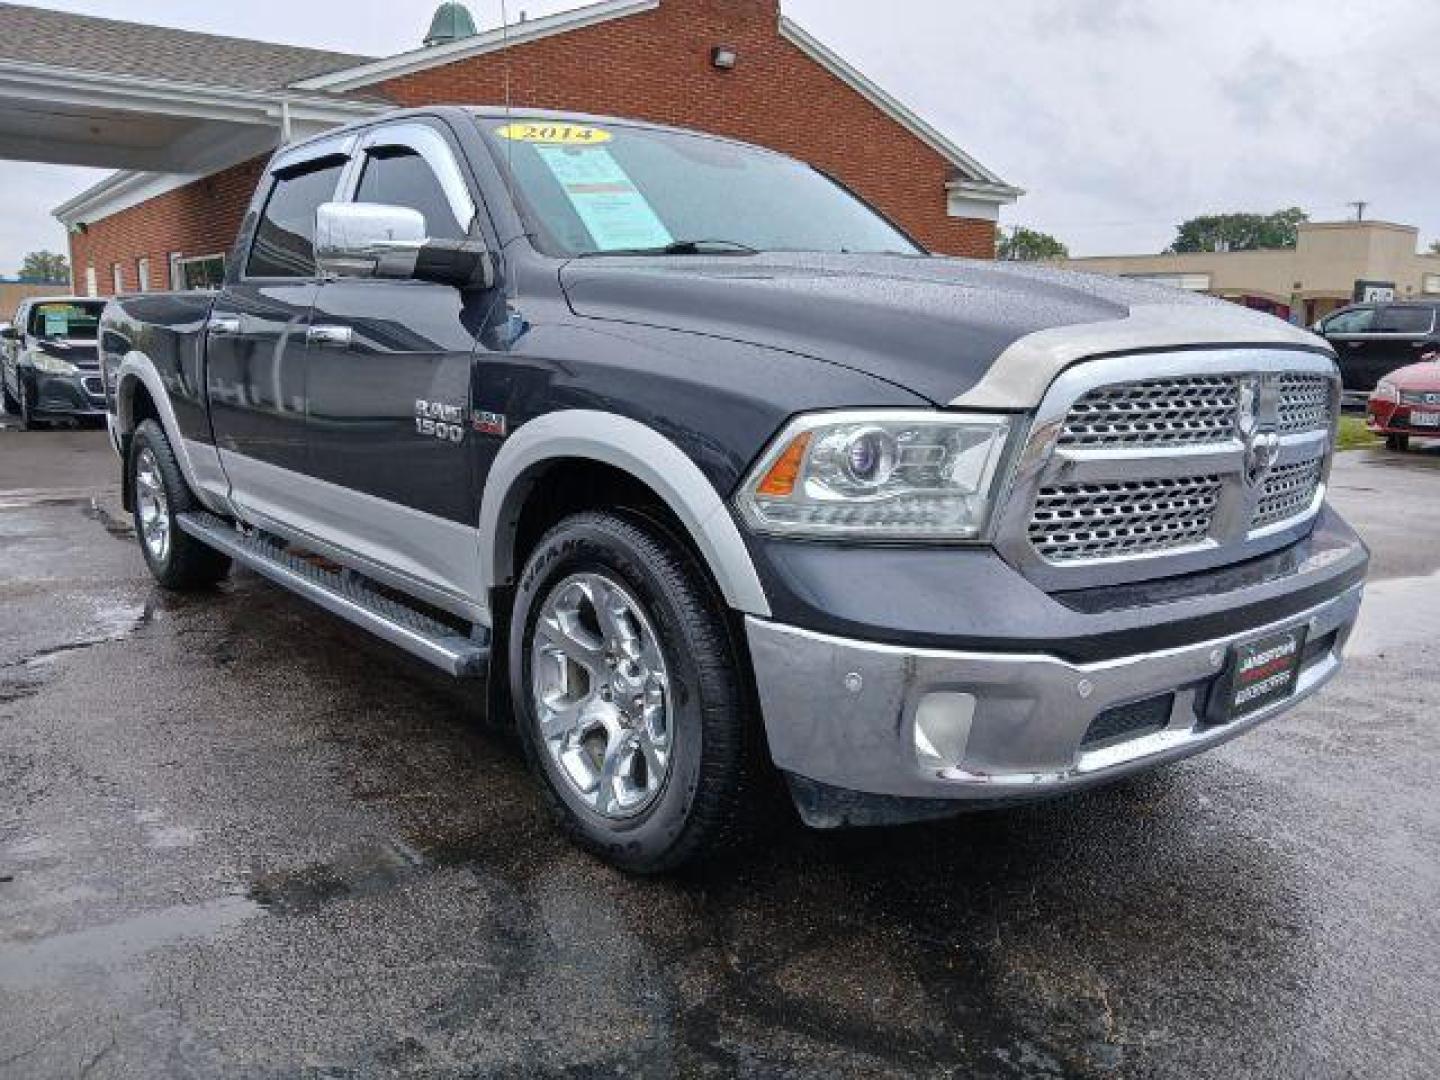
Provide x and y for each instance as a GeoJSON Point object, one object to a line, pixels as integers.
{"type": "Point", "coordinates": [1097, 521]}
{"type": "Point", "coordinates": [1205, 458]}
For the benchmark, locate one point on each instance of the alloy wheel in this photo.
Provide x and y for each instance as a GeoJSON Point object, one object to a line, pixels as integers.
{"type": "Point", "coordinates": [601, 695]}
{"type": "Point", "coordinates": [155, 522]}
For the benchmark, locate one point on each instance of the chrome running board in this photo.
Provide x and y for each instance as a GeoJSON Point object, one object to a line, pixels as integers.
{"type": "Point", "coordinates": [348, 595]}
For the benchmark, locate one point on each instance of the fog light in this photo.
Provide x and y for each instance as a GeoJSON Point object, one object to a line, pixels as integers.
{"type": "Point", "coordinates": [942, 728]}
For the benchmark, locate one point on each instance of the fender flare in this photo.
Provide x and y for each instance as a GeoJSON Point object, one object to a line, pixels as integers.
{"type": "Point", "coordinates": [633, 448]}
{"type": "Point", "coordinates": [137, 368]}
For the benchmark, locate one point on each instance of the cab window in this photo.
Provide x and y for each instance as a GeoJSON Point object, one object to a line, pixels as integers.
{"type": "Point", "coordinates": [398, 176]}
{"type": "Point", "coordinates": [284, 244]}
{"type": "Point", "coordinates": [1405, 320]}
{"type": "Point", "coordinates": [1357, 321]}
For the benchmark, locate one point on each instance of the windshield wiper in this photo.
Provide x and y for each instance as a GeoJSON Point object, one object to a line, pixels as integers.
{"type": "Point", "coordinates": [684, 247]}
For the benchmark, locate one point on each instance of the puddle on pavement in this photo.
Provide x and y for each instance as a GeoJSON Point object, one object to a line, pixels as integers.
{"type": "Point", "coordinates": [1398, 613]}
{"type": "Point", "coordinates": [361, 873]}
{"type": "Point", "coordinates": [110, 620]}
{"type": "Point", "coordinates": [35, 963]}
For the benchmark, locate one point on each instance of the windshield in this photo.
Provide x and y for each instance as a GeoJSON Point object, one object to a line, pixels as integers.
{"type": "Point", "coordinates": [65, 321]}
{"type": "Point", "coordinates": [614, 189]}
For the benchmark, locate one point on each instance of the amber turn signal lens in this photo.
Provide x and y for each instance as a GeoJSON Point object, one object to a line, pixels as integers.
{"type": "Point", "coordinates": [779, 482]}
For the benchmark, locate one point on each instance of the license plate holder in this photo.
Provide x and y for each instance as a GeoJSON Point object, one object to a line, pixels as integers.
{"type": "Point", "coordinates": [1260, 673]}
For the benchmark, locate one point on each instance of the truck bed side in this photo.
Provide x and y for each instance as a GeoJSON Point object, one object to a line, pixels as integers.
{"type": "Point", "coordinates": [164, 332]}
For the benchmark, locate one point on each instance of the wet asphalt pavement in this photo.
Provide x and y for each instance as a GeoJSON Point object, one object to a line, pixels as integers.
{"type": "Point", "coordinates": [239, 839]}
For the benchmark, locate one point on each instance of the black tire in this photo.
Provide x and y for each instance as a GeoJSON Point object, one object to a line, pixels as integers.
{"type": "Point", "coordinates": [185, 564]}
{"type": "Point", "coordinates": [707, 802]}
{"type": "Point", "coordinates": [22, 407]}
{"type": "Point", "coordinates": [1397, 443]}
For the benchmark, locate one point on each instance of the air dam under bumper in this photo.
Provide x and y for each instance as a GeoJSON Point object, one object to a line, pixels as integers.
{"type": "Point", "coordinates": [841, 716]}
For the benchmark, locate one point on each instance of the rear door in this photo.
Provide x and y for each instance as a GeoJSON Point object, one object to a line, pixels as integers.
{"type": "Point", "coordinates": [389, 378]}
{"type": "Point", "coordinates": [1351, 334]}
{"type": "Point", "coordinates": [1402, 335]}
{"type": "Point", "coordinates": [256, 336]}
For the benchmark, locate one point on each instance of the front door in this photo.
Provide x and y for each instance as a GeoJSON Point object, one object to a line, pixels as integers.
{"type": "Point", "coordinates": [389, 421]}
{"type": "Point", "coordinates": [256, 340]}
{"type": "Point", "coordinates": [1350, 333]}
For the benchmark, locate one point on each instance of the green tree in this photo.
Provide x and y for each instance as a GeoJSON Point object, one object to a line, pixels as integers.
{"type": "Point", "coordinates": [45, 266]}
{"type": "Point", "coordinates": [1028, 245]}
{"type": "Point", "coordinates": [1239, 232]}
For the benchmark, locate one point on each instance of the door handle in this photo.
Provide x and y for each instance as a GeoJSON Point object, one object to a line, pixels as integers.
{"type": "Point", "coordinates": [223, 324]}
{"type": "Point", "coordinates": [338, 337]}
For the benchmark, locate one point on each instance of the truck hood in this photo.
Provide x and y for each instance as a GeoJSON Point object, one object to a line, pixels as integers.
{"type": "Point", "coordinates": [81, 353]}
{"type": "Point", "coordinates": [938, 327]}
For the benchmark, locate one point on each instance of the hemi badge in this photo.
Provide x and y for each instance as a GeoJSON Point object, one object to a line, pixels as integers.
{"type": "Point", "coordinates": [489, 423]}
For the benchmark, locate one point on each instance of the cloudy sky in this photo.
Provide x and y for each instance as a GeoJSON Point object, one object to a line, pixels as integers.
{"type": "Point", "coordinates": [1120, 117]}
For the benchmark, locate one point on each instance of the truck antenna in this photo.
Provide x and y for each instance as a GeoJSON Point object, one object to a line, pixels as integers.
{"type": "Point", "coordinates": [513, 327]}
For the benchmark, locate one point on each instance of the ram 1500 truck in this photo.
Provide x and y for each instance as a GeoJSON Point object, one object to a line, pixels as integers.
{"type": "Point", "coordinates": [712, 472]}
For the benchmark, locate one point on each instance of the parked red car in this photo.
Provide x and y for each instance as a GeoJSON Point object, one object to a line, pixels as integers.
{"type": "Point", "coordinates": [1406, 402]}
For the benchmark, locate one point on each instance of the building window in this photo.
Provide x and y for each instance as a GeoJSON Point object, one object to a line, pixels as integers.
{"type": "Point", "coordinates": [142, 273]}
{"type": "Point", "coordinates": [92, 286]}
{"type": "Point", "coordinates": [117, 279]}
{"type": "Point", "coordinates": [199, 272]}
{"type": "Point", "coordinates": [1431, 284]}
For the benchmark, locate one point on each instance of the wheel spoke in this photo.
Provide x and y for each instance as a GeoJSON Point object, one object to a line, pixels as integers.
{"type": "Point", "coordinates": [562, 717]}
{"type": "Point", "coordinates": [612, 613]}
{"type": "Point", "coordinates": [617, 753]}
{"type": "Point", "coordinates": [555, 636]}
{"type": "Point", "coordinates": [655, 761]}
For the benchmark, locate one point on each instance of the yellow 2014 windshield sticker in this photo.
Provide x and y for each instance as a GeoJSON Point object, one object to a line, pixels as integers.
{"type": "Point", "coordinates": [554, 134]}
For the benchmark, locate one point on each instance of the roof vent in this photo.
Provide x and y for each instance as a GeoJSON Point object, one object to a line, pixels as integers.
{"type": "Point", "coordinates": [451, 23]}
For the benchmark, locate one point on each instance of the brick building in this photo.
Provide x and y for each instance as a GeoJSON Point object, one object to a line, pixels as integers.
{"type": "Point", "coordinates": [734, 67]}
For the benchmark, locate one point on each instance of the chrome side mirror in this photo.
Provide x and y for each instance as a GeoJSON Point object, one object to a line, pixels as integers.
{"type": "Point", "coordinates": [368, 240]}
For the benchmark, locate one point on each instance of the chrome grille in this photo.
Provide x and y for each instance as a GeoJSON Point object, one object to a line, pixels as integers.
{"type": "Point", "coordinates": [1288, 492]}
{"type": "Point", "coordinates": [1420, 397]}
{"type": "Point", "coordinates": [1213, 457]}
{"type": "Point", "coordinates": [1135, 517]}
{"type": "Point", "coordinates": [1304, 403]}
{"type": "Point", "coordinates": [1155, 413]}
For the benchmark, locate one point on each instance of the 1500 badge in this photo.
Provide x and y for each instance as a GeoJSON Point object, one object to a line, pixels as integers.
{"type": "Point", "coordinates": [436, 420]}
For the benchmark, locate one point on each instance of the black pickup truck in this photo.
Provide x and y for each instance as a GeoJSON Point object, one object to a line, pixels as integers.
{"type": "Point", "coordinates": [707, 473]}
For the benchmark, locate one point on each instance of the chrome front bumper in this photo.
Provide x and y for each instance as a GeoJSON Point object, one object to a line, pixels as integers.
{"type": "Point", "coordinates": [842, 713]}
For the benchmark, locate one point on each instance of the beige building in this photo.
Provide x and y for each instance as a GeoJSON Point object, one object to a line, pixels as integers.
{"type": "Point", "coordinates": [1334, 263]}
{"type": "Point", "coordinates": [12, 292]}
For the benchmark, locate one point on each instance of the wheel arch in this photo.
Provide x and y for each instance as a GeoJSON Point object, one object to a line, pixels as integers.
{"type": "Point", "coordinates": [638, 452]}
{"type": "Point", "coordinates": [140, 395]}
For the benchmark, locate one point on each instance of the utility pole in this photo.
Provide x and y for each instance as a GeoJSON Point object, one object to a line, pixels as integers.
{"type": "Point", "coordinates": [1359, 209]}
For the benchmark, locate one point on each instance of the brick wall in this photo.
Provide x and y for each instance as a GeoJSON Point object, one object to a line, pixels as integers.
{"type": "Point", "coordinates": [200, 218]}
{"type": "Point", "coordinates": [656, 66]}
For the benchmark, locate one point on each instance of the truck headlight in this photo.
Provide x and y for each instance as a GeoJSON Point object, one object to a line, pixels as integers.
{"type": "Point", "coordinates": [52, 365]}
{"type": "Point", "coordinates": [893, 475]}
{"type": "Point", "coordinates": [1385, 390]}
